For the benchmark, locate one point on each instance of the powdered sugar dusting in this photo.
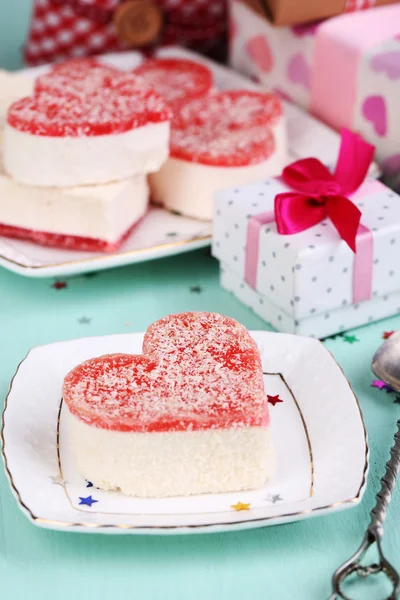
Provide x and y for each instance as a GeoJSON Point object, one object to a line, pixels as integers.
{"type": "Point", "coordinates": [235, 109]}
{"type": "Point", "coordinates": [222, 146]}
{"type": "Point", "coordinates": [176, 79]}
{"type": "Point", "coordinates": [77, 76]}
{"type": "Point", "coordinates": [229, 129]}
{"type": "Point", "coordinates": [90, 100]}
{"type": "Point", "coordinates": [198, 371]}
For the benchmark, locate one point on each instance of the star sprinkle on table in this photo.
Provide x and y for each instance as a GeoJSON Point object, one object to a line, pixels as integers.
{"type": "Point", "coordinates": [241, 506]}
{"type": "Point", "coordinates": [59, 285]}
{"type": "Point", "coordinates": [350, 339]}
{"type": "Point", "coordinates": [386, 334]}
{"type": "Point", "coordinates": [84, 320]}
{"type": "Point", "coordinates": [57, 480]}
{"type": "Point", "coordinates": [381, 385]}
{"type": "Point", "coordinates": [396, 400]}
{"type": "Point", "coordinates": [332, 337]}
{"type": "Point", "coordinates": [87, 501]}
{"type": "Point", "coordinates": [378, 384]}
{"type": "Point", "coordinates": [196, 289]}
{"type": "Point", "coordinates": [274, 399]}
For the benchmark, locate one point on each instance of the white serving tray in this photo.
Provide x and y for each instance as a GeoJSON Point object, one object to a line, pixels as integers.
{"type": "Point", "coordinates": [161, 233]}
{"type": "Point", "coordinates": [318, 432]}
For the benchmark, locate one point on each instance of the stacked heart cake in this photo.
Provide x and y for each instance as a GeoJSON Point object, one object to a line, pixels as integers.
{"type": "Point", "coordinates": [218, 140]}
{"type": "Point", "coordinates": [77, 152]}
{"type": "Point", "coordinates": [188, 416]}
{"type": "Point", "coordinates": [81, 151]}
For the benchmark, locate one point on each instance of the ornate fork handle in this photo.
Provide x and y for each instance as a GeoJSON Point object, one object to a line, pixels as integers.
{"type": "Point", "coordinates": [374, 533]}
{"type": "Point", "coordinates": [388, 481]}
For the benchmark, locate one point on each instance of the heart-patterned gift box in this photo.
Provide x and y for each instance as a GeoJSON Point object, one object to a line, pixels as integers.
{"type": "Point", "coordinates": [311, 252]}
{"type": "Point", "coordinates": [335, 70]}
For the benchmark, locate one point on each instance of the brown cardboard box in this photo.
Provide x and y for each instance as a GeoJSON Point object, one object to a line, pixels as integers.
{"type": "Point", "coordinates": [294, 12]}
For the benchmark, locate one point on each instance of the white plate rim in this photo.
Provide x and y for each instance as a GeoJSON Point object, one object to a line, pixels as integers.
{"type": "Point", "coordinates": [82, 526]}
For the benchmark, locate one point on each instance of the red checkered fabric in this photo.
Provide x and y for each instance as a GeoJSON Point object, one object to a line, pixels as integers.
{"type": "Point", "coordinates": [353, 5]}
{"type": "Point", "coordinates": [63, 29]}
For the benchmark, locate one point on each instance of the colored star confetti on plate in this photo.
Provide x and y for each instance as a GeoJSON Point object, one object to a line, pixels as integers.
{"type": "Point", "coordinates": [396, 400]}
{"type": "Point", "coordinates": [89, 483]}
{"type": "Point", "coordinates": [57, 480]}
{"type": "Point", "coordinates": [350, 339]}
{"type": "Point", "coordinates": [196, 289]}
{"type": "Point", "coordinates": [59, 285]}
{"type": "Point", "coordinates": [241, 506]}
{"type": "Point", "coordinates": [274, 399]}
{"type": "Point", "coordinates": [386, 334]}
{"type": "Point", "coordinates": [87, 501]}
{"type": "Point", "coordinates": [274, 498]}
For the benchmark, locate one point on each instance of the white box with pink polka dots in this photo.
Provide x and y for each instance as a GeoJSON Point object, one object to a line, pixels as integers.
{"type": "Point", "coordinates": [310, 283]}
{"type": "Point", "coordinates": [345, 70]}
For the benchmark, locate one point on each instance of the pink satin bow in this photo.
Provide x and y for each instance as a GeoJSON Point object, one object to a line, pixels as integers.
{"type": "Point", "coordinates": [319, 194]}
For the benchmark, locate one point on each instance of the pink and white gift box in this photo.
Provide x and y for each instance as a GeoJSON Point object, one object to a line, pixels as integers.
{"type": "Point", "coordinates": [345, 71]}
{"type": "Point", "coordinates": [311, 282]}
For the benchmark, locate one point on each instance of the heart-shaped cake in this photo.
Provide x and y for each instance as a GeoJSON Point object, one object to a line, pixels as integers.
{"type": "Point", "coordinates": [219, 141]}
{"type": "Point", "coordinates": [91, 125]}
{"type": "Point", "coordinates": [176, 80]}
{"type": "Point", "coordinates": [188, 416]}
{"type": "Point", "coordinates": [77, 76]}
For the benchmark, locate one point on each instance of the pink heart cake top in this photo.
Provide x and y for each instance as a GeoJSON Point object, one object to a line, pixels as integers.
{"type": "Point", "coordinates": [176, 79]}
{"type": "Point", "coordinates": [87, 100]}
{"type": "Point", "coordinates": [198, 371]}
{"type": "Point", "coordinates": [227, 129]}
{"type": "Point", "coordinates": [234, 109]}
{"type": "Point", "coordinates": [221, 146]}
{"type": "Point", "coordinates": [77, 76]}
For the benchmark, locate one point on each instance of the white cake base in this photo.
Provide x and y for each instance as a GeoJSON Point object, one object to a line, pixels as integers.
{"type": "Point", "coordinates": [12, 87]}
{"type": "Point", "coordinates": [103, 212]}
{"type": "Point", "coordinates": [84, 160]}
{"type": "Point", "coordinates": [189, 187]}
{"type": "Point", "coordinates": [182, 463]}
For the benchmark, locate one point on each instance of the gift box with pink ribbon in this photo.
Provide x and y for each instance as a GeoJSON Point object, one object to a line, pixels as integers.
{"type": "Point", "coordinates": [313, 252]}
{"type": "Point", "coordinates": [345, 70]}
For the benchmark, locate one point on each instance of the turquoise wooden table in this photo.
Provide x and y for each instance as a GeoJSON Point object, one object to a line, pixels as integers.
{"type": "Point", "coordinates": [288, 562]}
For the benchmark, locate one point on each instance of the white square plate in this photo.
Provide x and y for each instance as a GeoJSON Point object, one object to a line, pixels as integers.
{"type": "Point", "coordinates": [318, 432]}
{"type": "Point", "coordinates": [162, 233]}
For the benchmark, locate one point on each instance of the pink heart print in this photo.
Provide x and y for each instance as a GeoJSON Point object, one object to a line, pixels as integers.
{"type": "Point", "coordinates": [298, 71]}
{"type": "Point", "coordinates": [260, 52]}
{"type": "Point", "coordinates": [374, 110]}
{"type": "Point", "coordinates": [388, 63]}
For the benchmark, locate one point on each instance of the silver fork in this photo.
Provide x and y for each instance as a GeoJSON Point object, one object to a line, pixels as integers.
{"type": "Point", "coordinates": [386, 366]}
